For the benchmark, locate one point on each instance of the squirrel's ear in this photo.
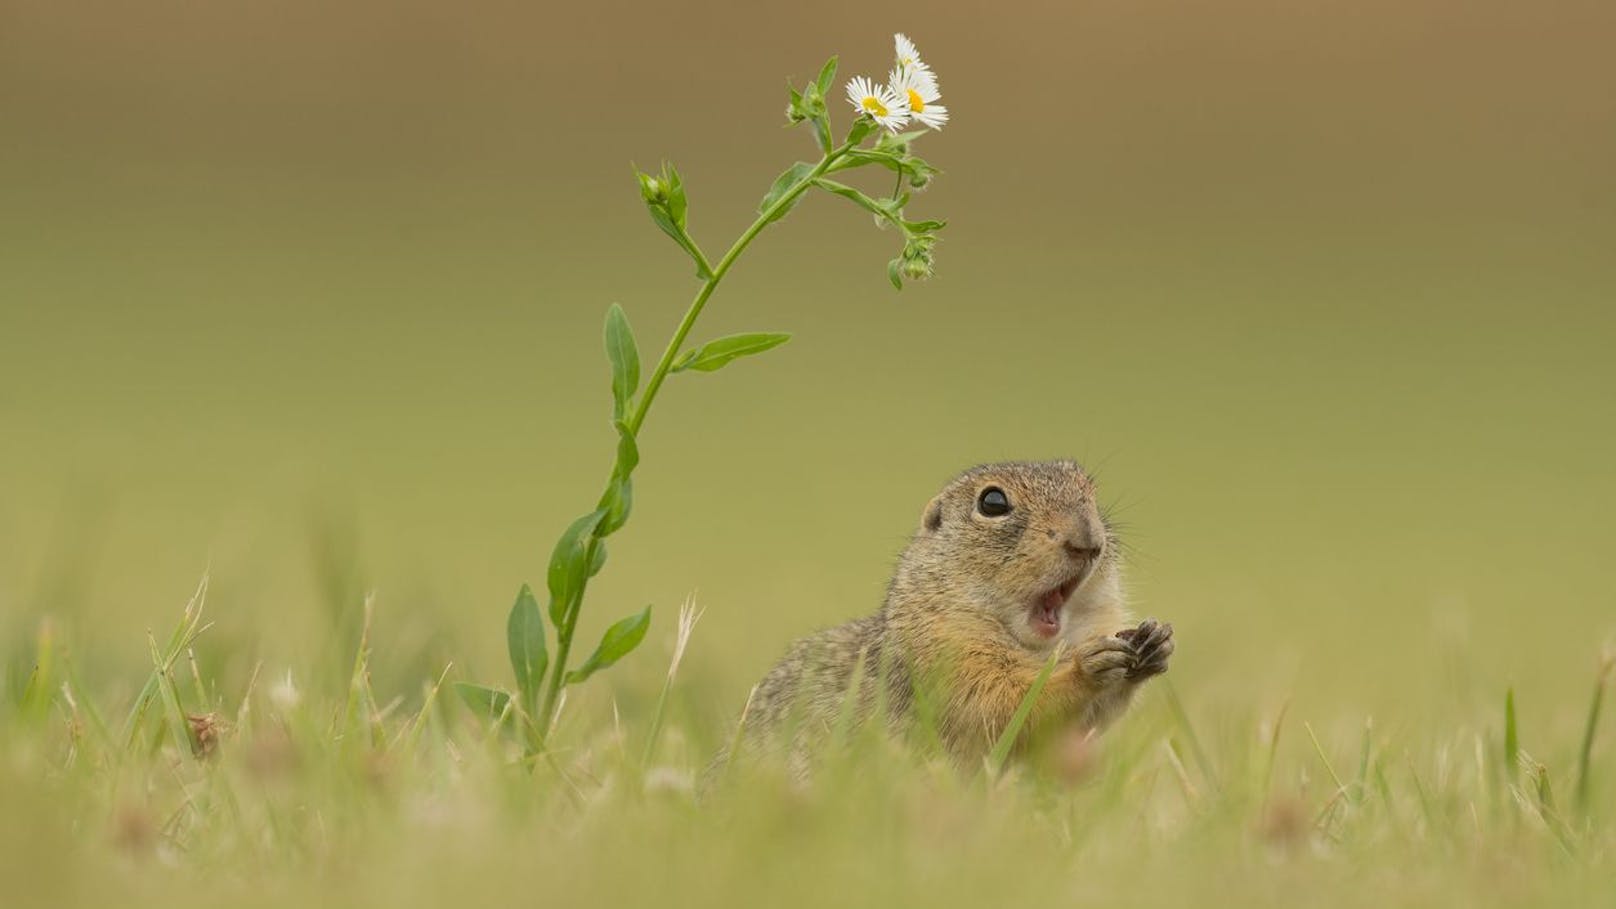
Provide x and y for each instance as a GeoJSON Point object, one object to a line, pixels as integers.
{"type": "Point", "coordinates": [932, 517]}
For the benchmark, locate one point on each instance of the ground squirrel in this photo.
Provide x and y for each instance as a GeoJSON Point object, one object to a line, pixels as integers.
{"type": "Point", "coordinates": [1010, 561]}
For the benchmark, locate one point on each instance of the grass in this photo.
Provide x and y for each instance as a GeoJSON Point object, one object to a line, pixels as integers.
{"type": "Point", "coordinates": [284, 791]}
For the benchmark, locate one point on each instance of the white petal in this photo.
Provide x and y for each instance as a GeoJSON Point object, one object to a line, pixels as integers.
{"type": "Point", "coordinates": [934, 116]}
{"type": "Point", "coordinates": [907, 53]}
{"type": "Point", "coordinates": [859, 88]}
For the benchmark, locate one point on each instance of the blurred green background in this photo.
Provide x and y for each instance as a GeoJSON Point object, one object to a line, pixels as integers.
{"type": "Point", "coordinates": [310, 294]}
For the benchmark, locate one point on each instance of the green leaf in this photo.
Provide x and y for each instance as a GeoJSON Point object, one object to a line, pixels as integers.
{"type": "Point", "coordinates": [625, 358]}
{"type": "Point", "coordinates": [567, 563]}
{"type": "Point", "coordinates": [784, 184]}
{"type": "Point", "coordinates": [822, 133]}
{"type": "Point", "coordinates": [827, 75]}
{"type": "Point", "coordinates": [628, 450]}
{"type": "Point", "coordinates": [616, 501]}
{"type": "Point", "coordinates": [917, 169]}
{"type": "Point", "coordinates": [895, 273]}
{"type": "Point", "coordinates": [890, 140]}
{"type": "Point", "coordinates": [615, 644]}
{"type": "Point", "coordinates": [861, 156]}
{"type": "Point", "coordinates": [489, 703]}
{"type": "Point", "coordinates": [524, 637]}
{"type": "Point", "coordinates": [924, 227]}
{"type": "Point", "coordinates": [599, 561]}
{"type": "Point", "coordinates": [861, 129]}
{"type": "Point", "coordinates": [677, 205]}
{"type": "Point", "coordinates": [880, 208]}
{"type": "Point", "coordinates": [715, 354]}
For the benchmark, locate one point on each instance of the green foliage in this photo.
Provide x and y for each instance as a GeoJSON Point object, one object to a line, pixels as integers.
{"type": "Point", "coordinates": [489, 703]}
{"type": "Point", "coordinates": [190, 627]}
{"type": "Point", "coordinates": [809, 104]}
{"type": "Point", "coordinates": [792, 178]}
{"type": "Point", "coordinates": [625, 360]}
{"type": "Point", "coordinates": [524, 636]}
{"type": "Point", "coordinates": [715, 355]}
{"type": "Point", "coordinates": [618, 641]}
{"type": "Point", "coordinates": [569, 564]}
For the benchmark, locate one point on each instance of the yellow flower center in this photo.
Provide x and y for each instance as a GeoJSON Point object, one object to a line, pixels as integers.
{"type": "Point", "coordinates": [873, 105]}
{"type": "Point", "coordinates": [915, 104]}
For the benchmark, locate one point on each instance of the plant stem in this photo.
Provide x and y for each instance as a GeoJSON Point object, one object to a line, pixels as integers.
{"type": "Point", "coordinates": [643, 407]}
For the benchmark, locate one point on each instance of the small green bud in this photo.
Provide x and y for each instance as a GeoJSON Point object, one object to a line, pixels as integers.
{"type": "Point", "coordinates": [813, 102]}
{"type": "Point", "coordinates": [794, 111]}
{"type": "Point", "coordinates": [916, 263]}
{"type": "Point", "coordinates": [652, 190]}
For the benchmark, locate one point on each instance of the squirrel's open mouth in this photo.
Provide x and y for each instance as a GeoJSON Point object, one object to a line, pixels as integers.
{"type": "Point", "coordinates": [1046, 610]}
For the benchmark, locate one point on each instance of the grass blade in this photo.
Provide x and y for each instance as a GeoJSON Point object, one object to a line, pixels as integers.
{"type": "Point", "coordinates": [1007, 738]}
{"type": "Point", "coordinates": [1273, 751]}
{"type": "Point", "coordinates": [1201, 760]}
{"type": "Point", "coordinates": [1361, 786]}
{"type": "Point", "coordinates": [689, 615]}
{"type": "Point", "coordinates": [1584, 755]}
{"type": "Point", "coordinates": [1512, 740]}
{"type": "Point", "coordinates": [1319, 750]}
{"type": "Point", "coordinates": [412, 733]}
{"type": "Point", "coordinates": [173, 714]}
{"type": "Point", "coordinates": [189, 628]}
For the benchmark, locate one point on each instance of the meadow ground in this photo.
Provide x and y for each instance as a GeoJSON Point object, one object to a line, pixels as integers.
{"type": "Point", "coordinates": [293, 790]}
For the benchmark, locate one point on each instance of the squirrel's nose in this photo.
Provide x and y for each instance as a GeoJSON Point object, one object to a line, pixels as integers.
{"type": "Point", "coordinates": [1082, 550]}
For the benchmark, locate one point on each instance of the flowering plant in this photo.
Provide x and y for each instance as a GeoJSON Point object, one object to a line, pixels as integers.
{"type": "Point", "coordinates": [878, 136]}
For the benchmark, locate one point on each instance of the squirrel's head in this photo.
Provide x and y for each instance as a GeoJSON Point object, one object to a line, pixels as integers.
{"type": "Point", "coordinates": [1023, 541]}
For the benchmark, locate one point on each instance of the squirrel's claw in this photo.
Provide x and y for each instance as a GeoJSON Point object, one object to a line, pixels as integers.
{"type": "Point", "coordinates": [1152, 644]}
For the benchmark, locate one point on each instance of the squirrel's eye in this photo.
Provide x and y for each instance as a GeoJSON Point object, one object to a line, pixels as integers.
{"type": "Point", "coordinates": [993, 503]}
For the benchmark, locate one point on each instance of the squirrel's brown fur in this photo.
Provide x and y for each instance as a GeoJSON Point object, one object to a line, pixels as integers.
{"type": "Point", "coordinates": [977, 604]}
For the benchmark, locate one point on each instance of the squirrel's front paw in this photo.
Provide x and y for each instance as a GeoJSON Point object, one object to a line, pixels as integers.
{"type": "Point", "coordinates": [1107, 661]}
{"type": "Point", "coordinates": [1151, 644]}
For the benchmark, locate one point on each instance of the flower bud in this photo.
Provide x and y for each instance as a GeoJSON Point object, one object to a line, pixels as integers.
{"type": "Point", "coordinates": [814, 105]}
{"type": "Point", "coordinates": [654, 190]}
{"type": "Point", "coordinates": [916, 263]}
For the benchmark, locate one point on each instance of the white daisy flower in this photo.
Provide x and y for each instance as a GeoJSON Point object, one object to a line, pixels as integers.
{"type": "Point", "coordinates": [880, 102]}
{"type": "Point", "coordinates": [919, 89]}
{"type": "Point", "coordinates": [908, 55]}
